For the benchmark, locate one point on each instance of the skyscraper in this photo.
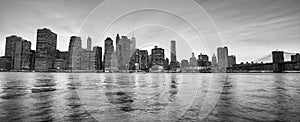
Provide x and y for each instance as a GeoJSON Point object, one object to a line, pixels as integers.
{"type": "Point", "coordinates": [222, 57]}
{"type": "Point", "coordinates": [158, 56]}
{"type": "Point", "coordinates": [45, 49]}
{"type": "Point", "coordinates": [89, 44]}
{"type": "Point", "coordinates": [18, 52]}
{"type": "Point", "coordinates": [214, 61]}
{"type": "Point", "coordinates": [108, 54]}
{"type": "Point", "coordinates": [88, 57]}
{"type": "Point", "coordinates": [75, 53]}
{"type": "Point", "coordinates": [119, 45]}
{"type": "Point", "coordinates": [143, 59]}
{"type": "Point", "coordinates": [98, 51]}
{"type": "Point", "coordinates": [173, 63]}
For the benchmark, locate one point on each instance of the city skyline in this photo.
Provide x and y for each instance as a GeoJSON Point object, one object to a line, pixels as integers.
{"type": "Point", "coordinates": [270, 21]}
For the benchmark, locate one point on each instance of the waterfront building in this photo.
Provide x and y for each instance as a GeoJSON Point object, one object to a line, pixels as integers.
{"type": "Point", "coordinates": [32, 60]}
{"type": "Point", "coordinates": [193, 61]}
{"type": "Point", "coordinates": [295, 58]}
{"type": "Point", "coordinates": [108, 54]}
{"type": "Point", "coordinates": [185, 64]}
{"type": "Point", "coordinates": [119, 45]}
{"type": "Point", "coordinates": [158, 56]}
{"type": "Point", "coordinates": [88, 57]}
{"type": "Point", "coordinates": [143, 60]}
{"type": "Point", "coordinates": [134, 60]}
{"type": "Point", "coordinates": [231, 60]}
{"type": "Point", "coordinates": [98, 57]}
{"type": "Point", "coordinates": [123, 52]}
{"type": "Point", "coordinates": [173, 62]}
{"type": "Point", "coordinates": [61, 60]}
{"type": "Point", "coordinates": [222, 57]}
{"type": "Point", "coordinates": [214, 61]}
{"type": "Point", "coordinates": [17, 50]}
{"type": "Point", "coordinates": [45, 49]}
{"type": "Point", "coordinates": [203, 60]}
{"type": "Point", "coordinates": [75, 53]}
{"type": "Point", "coordinates": [5, 63]}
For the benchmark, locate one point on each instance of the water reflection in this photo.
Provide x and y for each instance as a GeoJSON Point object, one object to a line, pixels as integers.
{"type": "Point", "coordinates": [148, 97]}
{"type": "Point", "coordinates": [12, 97]}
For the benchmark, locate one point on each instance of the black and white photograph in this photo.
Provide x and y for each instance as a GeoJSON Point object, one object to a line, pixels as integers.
{"type": "Point", "coordinates": [149, 60]}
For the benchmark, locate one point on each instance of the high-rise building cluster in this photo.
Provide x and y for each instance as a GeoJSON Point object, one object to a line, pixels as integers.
{"type": "Point", "coordinates": [46, 57]}
{"type": "Point", "coordinates": [221, 61]}
{"type": "Point", "coordinates": [121, 56]}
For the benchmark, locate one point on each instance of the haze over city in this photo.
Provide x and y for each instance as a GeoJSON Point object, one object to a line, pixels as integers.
{"type": "Point", "coordinates": [251, 29]}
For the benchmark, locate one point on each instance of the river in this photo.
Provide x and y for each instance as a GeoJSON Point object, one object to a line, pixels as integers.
{"type": "Point", "coordinates": [149, 97]}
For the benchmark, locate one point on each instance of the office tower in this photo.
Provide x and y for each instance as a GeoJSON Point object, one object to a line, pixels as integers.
{"type": "Point", "coordinates": [75, 53]}
{"type": "Point", "coordinates": [173, 63]}
{"type": "Point", "coordinates": [222, 57]}
{"type": "Point", "coordinates": [45, 49]}
{"type": "Point", "coordinates": [88, 58]}
{"type": "Point", "coordinates": [32, 60]}
{"type": "Point", "coordinates": [231, 60]}
{"type": "Point", "coordinates": [108, 54]}
{"type": "Point", "coordinates": [20, 52]}
{"type": "Point", "coordinates": [119, 45]}
{"type": "Point", "coordinates": [193, 61]}
{"type": "Point", "coordinates": [143, 60]}
{"type": "Point", "coordinates": [203, 60]}
{"type": "Point", "coordinates": [134, 60]}
{"type": "Point", "coordinates": [295, 58]}
{"type": "Point", "coordinates": [158, 56]}
{"type": "Point", "coordinates": [278, 58]}
{"type": "Point", "coordinates": [89, 44]}
{"type": "Point", "coordinates": [126, 53]}
{"type": "Point", "coordinates": [214, 61]}
{"type": "Point", "coordinates": [98, 56]}
{"type": "Point", "coordinates": [9, 49]}
{"type": "Point", "coordinates": [185, 63]}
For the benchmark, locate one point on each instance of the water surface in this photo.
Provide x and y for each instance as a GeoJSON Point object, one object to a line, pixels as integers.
{"type": "Point", "coordinates": [149, 97]}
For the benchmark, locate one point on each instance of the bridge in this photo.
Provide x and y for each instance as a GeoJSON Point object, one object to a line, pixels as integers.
{"type": "Point", "coordinates": [277, 61]}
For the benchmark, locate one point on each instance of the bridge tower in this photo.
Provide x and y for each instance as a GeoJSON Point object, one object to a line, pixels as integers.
{"type": "Point", "coordinates": [278, 59]}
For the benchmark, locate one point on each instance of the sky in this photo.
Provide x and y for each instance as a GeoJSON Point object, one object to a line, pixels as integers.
{"type": "Point", "coordinates": [249, 28]}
